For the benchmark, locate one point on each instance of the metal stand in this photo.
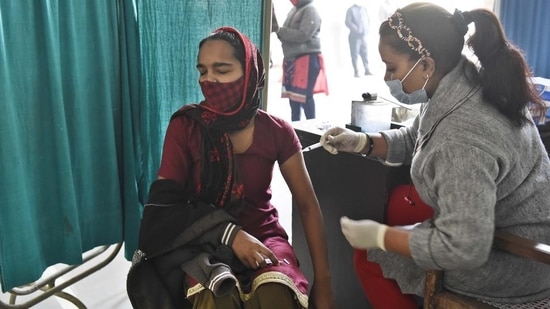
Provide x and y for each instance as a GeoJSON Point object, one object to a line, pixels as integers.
{"type": "Point", "coordinates": [46, 287]}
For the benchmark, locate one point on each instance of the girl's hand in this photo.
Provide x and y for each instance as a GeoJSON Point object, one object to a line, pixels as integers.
{"type": "Point", "coordinates": [252, 252]}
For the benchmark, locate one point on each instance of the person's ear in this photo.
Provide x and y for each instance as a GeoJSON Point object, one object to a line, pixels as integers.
{"type": "Point", "coordinates": [428, 66]}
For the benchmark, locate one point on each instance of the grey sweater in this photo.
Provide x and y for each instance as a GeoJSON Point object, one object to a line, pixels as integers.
{"type": "Point", "coordinates": [479, 173]}
{"type": "Point", "coordinates": [299, 34]}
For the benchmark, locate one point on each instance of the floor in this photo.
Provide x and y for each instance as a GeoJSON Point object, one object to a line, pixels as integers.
{"type": "Point", "coordinates": [106, 289]}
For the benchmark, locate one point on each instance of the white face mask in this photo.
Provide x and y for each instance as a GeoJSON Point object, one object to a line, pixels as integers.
{"type": "Point", "coordinates": [417, 96]}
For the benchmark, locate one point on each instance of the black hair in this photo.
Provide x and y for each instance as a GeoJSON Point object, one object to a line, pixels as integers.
{"type": "Point", "coordinates": [503, 73]}
{"type": "Point", "coordinates": [233, 40]}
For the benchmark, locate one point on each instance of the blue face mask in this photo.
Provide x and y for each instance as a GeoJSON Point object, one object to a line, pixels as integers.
{"type": "Point", "coordinates": [417, 96]}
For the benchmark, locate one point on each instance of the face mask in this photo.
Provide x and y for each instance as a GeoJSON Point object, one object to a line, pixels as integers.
{"type": "Point", "coordinates": [417, 96]}
{"type": "Point", "coordinates": [222, 98]}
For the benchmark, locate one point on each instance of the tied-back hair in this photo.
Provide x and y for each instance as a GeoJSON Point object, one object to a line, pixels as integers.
{"type": "Point", "coordinates": [503, 72]}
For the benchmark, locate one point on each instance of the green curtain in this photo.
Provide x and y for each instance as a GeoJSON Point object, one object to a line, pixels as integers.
{"type": "Point", "coordinates": [71, 156]}
{"type": "Point", "coordinates": [170, 32]}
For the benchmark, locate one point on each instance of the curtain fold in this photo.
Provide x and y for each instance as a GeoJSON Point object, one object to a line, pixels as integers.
{"type": "Point", "coordinates": [134, 144]}
{"type": "Point", "coordinates": [68, 149]}
{"type": "Point", "coordinates": [527, 25]}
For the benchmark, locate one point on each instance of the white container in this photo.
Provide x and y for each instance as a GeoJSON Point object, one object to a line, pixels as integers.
{"type": "Point", "coordinates": [371, 116]}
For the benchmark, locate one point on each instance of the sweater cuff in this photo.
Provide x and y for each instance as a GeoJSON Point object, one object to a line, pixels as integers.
{"type": "Point", "coordinates": [229, 234]}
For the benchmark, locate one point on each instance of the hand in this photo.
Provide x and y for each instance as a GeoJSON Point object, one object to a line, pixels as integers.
{"type": "Point", "coordinates": [364, 234]}
{"type": "Point", "coordinates": [252, 252]}
{"type": "Point", "coordinates": [321, 296]}
{"type": "Point", "coordinates": [340, 139]}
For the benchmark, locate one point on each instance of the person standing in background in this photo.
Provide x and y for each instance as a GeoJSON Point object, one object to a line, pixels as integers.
{"type": "Point", "coordinates": [303, 65]}
{"type": "Point", "coordinates": [357, 21]}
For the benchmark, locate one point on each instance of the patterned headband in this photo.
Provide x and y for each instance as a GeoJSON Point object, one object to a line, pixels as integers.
{"type": "Point", "coordinates": [397, 23]}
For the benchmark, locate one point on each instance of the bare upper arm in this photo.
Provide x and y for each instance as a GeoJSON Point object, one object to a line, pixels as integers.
{"type": "Point", "coordinates": [295, 173]}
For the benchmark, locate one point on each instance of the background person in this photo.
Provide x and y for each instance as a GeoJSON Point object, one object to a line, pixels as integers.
{"type": "Point", "coordinates": [476, 158]}
{"type": "Point", "coordinates": [358, 23]}
{"type": "Point", "coordinates": [303, 64]}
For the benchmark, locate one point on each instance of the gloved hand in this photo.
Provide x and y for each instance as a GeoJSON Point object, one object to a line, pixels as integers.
{"type": "Point", "coordinates": [340, 139]}
{"type": "Point", "coordinates": [364, 234]}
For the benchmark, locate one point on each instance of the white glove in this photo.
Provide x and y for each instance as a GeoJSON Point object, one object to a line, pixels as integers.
{"type": "Point", "coordinates": [364, 234]}
{"type": "Point", "coordinates": [339, 139]}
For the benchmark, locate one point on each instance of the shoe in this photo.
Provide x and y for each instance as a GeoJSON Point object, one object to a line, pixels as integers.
{"type": "Point", "coordinates": [368, 72]}
{"type": "Point", "coordinates": [357, 74]}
